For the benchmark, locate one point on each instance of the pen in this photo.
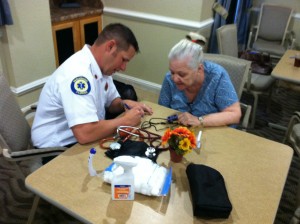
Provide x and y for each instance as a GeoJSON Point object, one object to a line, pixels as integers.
{"type": "Point", "coordinates": [198, 139]}
{"type": "Point", "coordinates": [92, 171]}
{"type": "Point", "coordinates": [126, 106]}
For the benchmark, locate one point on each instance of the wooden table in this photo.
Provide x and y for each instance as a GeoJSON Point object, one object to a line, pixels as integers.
{"type": "Point", "coordinates": [290, 75]}
{"type": "Point", "coordinates": [285, 69]}
{"type": "Point", "coordinates": [254, 169]}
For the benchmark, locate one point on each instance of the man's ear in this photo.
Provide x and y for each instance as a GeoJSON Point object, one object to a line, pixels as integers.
{"type": "Point", "coordinates": [111, 46]}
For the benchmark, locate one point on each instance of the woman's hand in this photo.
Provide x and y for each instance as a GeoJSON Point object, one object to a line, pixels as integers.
{"type": "Point", "coordinates": [188, 119]}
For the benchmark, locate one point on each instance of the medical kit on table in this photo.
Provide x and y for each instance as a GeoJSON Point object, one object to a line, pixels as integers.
{"type": "Point", "coordinates": [134, 174]}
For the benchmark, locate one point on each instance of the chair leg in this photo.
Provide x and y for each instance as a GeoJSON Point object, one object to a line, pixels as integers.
{"type": "Point", "coordinates": [33, 209]}
{"type": "Point", "coordinates": [253, 116]}
{"type": "Point", "coordinates": [269, 99]}
{"type": "Point", "coordinates": [270, 93]}
{"type": "Point", "coordinates": [296, 218]}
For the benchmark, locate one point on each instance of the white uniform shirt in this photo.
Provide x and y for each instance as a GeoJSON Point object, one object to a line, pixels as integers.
{"type": "Point", "coordinates": [75, 93]}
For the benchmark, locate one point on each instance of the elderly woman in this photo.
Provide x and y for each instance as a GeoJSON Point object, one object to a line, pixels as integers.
{"type": "Point", "coordinates": [202, 90]}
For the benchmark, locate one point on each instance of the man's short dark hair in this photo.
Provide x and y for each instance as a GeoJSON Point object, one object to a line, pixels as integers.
{"type": "Point", "coordinates": [119, 32]}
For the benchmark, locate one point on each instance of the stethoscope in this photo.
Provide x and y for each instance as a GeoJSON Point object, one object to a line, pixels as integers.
{"type": "Point", "coordinates": [126, 132]}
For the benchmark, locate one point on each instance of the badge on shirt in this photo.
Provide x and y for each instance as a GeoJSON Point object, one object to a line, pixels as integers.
{"type": "Point", "coordinates": [80, 86]}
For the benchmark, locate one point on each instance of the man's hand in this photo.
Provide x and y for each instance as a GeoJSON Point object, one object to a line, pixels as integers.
{"type": "Point", "coordinates": [133, 116]}
{"type": "Point", "coordinates": [145, 108]}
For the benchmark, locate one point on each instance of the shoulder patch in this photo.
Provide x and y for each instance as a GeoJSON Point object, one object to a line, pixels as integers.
{"type": "Point", "coordinates": [80, 86]}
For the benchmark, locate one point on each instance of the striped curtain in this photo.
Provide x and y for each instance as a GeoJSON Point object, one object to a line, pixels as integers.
{"type": "Point", "coordinates": [5, 14]}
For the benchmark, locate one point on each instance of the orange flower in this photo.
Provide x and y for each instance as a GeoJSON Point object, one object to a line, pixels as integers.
{"type": "Point", "coordinates": [182, 131]}
{"type": "Point", "coordinates": [192, 139]}
{"type": "Point", "coordinates": [181, 139]}
{"type": "Point", "coordinates": [166, 136]}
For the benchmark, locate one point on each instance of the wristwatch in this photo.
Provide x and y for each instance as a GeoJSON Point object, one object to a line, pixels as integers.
{"type": "Point", "coordinates": [201, 119]}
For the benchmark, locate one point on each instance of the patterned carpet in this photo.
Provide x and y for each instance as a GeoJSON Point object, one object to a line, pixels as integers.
{"type": "Point", "coordinates": [16, 200]}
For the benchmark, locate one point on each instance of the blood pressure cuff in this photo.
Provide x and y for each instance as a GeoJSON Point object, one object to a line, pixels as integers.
{"type": "Point", "coordinates": [131, 148]}
{"type": "Point", "coordinates": [208, 190]}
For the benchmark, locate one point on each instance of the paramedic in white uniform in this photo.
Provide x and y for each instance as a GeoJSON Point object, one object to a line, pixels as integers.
{"type": "Point", "coordinates": [72, 104]}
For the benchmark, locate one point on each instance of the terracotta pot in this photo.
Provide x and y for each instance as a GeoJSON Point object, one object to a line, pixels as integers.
{"type": "Point", "coordinates": [174, 156]}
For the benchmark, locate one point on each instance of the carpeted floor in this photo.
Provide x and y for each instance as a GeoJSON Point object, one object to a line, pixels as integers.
{"type": "Point", "coordinates": [16, 200]}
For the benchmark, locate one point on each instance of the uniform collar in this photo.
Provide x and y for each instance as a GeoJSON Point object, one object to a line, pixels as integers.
{"type": "Point", "coordinates": [94, 66]}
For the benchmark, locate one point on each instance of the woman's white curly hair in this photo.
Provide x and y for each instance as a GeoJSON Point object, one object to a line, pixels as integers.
{"type": "Point", "coordinates": [190, 48]}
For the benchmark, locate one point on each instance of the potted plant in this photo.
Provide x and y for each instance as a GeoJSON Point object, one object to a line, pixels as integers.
{"type": "Point", "coordinates": [180, 140]}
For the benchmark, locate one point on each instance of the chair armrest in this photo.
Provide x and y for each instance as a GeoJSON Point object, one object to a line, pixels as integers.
{"type": "Point", "coordinates": [247, 85]}
{"type": "Point", "coordinates": [252, 33]}
{"type": "Point", "coordinates": [290, 39]}
{"type": "Point", "coordinates": [30, 110]}
{"type": "Point", "coordinates": [246, 112]}
{"type": "Point", "coordinates": [294, 120]}
{"type": "Point", "coordinates": [31, 153]}
{"type": "Point", "coordinates": [296, 218]}
{"type": "Point", "coordinates": [33, 107]}
{"type": "Point", "coordinates": [297, 113]}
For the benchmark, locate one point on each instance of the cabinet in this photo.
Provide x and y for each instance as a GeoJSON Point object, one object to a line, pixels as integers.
{"type": "Point", "coordinates": [71, 35]}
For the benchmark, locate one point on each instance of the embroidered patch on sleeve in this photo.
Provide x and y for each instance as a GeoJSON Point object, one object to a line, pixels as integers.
{"type": "Point", "coordinates": [80, 86]}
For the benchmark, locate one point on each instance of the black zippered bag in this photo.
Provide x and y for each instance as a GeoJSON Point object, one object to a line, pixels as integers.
{"type": "Point", "coordinates": [208, 190]}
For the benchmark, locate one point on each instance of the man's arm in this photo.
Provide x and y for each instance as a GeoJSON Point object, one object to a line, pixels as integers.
{"type": "Point", "coordinates": [89, 132]}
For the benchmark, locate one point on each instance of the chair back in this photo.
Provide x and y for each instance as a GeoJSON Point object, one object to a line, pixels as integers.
{"type": "Point", "coordinates": [227, 40]}
{"type": "Point", "coordinates": [238, 69]}
{"type": "Point", "coordinates": [273, 22]}
{"type": "Point", "coordinates": [14, 128]}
